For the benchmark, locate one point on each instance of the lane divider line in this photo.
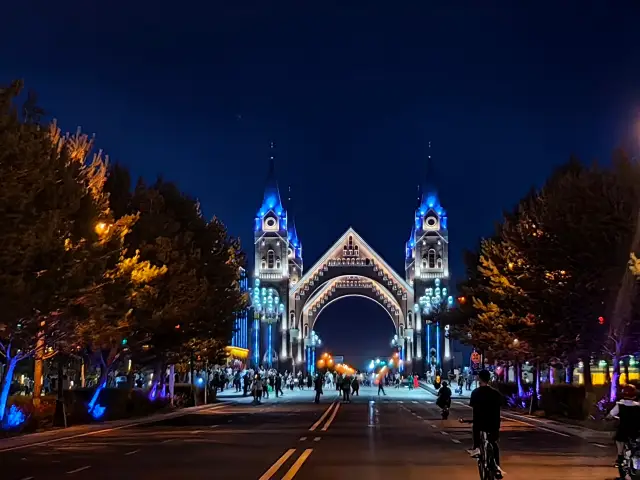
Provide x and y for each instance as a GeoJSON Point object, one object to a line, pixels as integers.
{"type": "Point", "coordinates": [601, 446]}
{"type": "Point", "coordinates": [302, 439]}
{"type": "Point", "coordinates": [333, 415]}
{"type": "Point", "coordinates": [444, 433]}
{"type": "Point", "coordinates": [276, 466]}
{"type": "Point", "coordinates": [298, 464]}
{"type": "Point", "coordinates": [131, 452]}
{"type": "Point", "coordinates": [317, 439]}
{"type": "Point", "coordinates": [321, 419]}
{"type": "Point", "coordinates": [81, 469]}
{"type": "Point", "coordinates": [455, 440]}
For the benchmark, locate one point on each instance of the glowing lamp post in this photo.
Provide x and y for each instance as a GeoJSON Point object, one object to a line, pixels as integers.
{"type": "Point", "coordinates": [313, 342]}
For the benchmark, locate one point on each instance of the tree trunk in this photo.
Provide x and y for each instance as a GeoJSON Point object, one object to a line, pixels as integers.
{"type": "Point", "coordinates": [172, 381]}
{"type": "Point", "coordinates": [38, 368]}
{"type": "Point", "coordinates": [193, 380]}
{"type": "Point", "coordinates": [517, 370]}
{"type": "Point", "coordinates": [615, 379]}
{"type": "Point", "coordinates": [59, 417]}
{"type": "Point", "coordinates": [626, 370]}
{"type": "Point", "coordinates": [6, 385]}
{"type": "Point", "coordinates": [586, 374]}
{"type": "Point", "coordinates": [569, 374]}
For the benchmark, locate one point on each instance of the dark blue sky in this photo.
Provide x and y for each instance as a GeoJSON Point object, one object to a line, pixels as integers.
{"type": "Point", "coordinates": [351, 97]}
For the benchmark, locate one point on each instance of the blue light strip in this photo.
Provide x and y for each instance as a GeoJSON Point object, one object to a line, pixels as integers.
{"type": "Point", "coordinates": [256, 347]}
{"type": "Point", "coordinates": [270, 347]}
{"type": "Point", "coordinates": [313, 362]}
{"type": "Point", "coordinates": [429, 345]}
{"type": "Point", "coordinates": [438, 363]}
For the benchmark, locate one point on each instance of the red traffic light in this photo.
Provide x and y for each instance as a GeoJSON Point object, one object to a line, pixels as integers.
{"type": "Point", "coordinates": [178, 327]}
{"type": "Point", "coordinates": [601, 320]}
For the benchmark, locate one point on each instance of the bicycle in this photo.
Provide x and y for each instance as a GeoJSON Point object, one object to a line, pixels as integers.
{"type": "Point", "coordinates": [487, 466]}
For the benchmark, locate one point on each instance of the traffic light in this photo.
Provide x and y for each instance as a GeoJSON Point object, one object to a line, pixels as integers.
{"type": "Point", "coordinates": [601, 320]}
{"type": "Point", "coordinates": [178, 326]}
{"type": "Point", "coordinates": [124, 341]}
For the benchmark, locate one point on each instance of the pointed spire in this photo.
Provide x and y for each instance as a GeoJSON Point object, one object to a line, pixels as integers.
{"type": "Point", "coordinates": [292, 233]}
{"type": "Point", "coordinates": [271, 191]}
{"type": "Point", "coordinates": [429, 190]}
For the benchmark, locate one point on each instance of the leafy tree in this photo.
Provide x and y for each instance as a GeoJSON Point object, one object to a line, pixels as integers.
{"type": "Point", "coordinates": [198, 297]}
{"type": "Point", "coordinates": [60, 242]}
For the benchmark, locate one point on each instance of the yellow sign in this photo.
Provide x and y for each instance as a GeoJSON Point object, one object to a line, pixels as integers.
{"type": "Point", "coordinates": [237, 352]}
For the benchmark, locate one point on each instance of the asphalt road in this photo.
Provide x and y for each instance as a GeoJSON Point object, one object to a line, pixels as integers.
{"type": "Point", "coordinates": [400, 436]}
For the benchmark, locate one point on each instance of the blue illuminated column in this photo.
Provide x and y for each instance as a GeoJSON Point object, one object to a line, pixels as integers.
{"type": "Point", "coordinates": [270, 347]}
{"type": "Point", "coordinates": [313, 361]}
{"type": "Point", "coordinates": [429, 345]}
{"type": "Point", "coordinates": [256, 342]}
{"type": "Point", "coordinates": [438, 362]}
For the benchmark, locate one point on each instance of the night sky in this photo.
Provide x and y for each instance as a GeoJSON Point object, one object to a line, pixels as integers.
{"type": "Point", "coordinates": [350, 96]}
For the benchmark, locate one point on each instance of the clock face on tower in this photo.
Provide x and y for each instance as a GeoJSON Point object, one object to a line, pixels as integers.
{"type": "Point", "coordinates": [270, 224]}
{"type": "Point", "coordinates": [431, 222]}
{"type": "Point", "coordinates": [290, 253]}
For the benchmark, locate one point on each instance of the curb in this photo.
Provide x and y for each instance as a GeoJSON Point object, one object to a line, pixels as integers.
{"type": "Point", "coordinates": [53, 436]}
{"type": "Point", "coordinates": [559, 428]}
{"type": "Point", "coordinates": [433, 391]}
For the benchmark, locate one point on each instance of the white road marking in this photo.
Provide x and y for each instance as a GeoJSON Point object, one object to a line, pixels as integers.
{"type": "Point", "coordinates": [144, 421]}
{"type": "Point", "coordinates": [601, 446]}
{"type": "Point", "coordinates": [444, 433]}
{"type": "Point", "coordinates": [413, 401]}
{"type": "Point", "coordinates": [131, 452]}
{"type": "Point", "coordinates": [317, 439]}
{"type": "Point", "coordinates": [537, 426]}
{"type": "Point", "coordinates": [79, 469]}
{"type": "Point", "coordinates": [167, 440]}
{"type": "Point", "coordinates": [195, 432]}
{"type": "Point", "coordinates": [455, 440]}
{"type": "Point", "coordinates": [27, 478]}
{"type": "Point", "coordinates": [302, 439]}
{"type": "Point", "coordinates": [433, 426]}
{"type": "Point", "coordinates": [214, 426]}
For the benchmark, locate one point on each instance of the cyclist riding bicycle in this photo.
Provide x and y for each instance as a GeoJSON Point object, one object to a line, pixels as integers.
{"type": "Point", "coordinates": [444, 396]}
{"type": "Point", "coordinates": [486, 403]}
{"type": "Point", "coordinates": [628, 411]}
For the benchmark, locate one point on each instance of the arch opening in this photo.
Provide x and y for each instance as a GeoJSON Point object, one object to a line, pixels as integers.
{"type": "Point", "coordinates": [355, 326]}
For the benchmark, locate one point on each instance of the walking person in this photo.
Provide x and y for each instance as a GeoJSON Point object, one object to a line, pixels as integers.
{"type": "Point", "coordinates": [278, 385]}
{"type": "Point", "coordinates": [257, 389]}
{"type": "Point", "coordinates": [355, 386]}
{"type": "Point", "coordinates": [346, 388]}
{"type": "Point", "coordinates": [381, 387]}
{"type": "Point", "coordinates": [318, 387]}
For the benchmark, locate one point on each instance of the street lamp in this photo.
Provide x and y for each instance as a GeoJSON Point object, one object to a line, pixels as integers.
{"type": "Point", "coordinates": [314, 341]}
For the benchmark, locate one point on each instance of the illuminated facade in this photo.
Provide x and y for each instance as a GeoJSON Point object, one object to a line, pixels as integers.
{"type": "Point", "coordinates": [241, 325]}
{"type": "Point", "coordinates": [427, 271]}
{"type": "Point", "coordinates": [287, 301]}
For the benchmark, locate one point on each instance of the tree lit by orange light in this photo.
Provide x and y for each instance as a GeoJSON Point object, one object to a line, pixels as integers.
{"type": "Point", "coordinates": [102, 228]}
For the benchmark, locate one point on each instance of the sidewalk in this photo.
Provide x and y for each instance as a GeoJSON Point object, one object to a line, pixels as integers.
{"type": "Point", "coordinates": [59, 434]}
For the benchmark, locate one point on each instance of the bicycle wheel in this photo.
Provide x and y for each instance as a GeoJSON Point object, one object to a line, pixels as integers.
{"type": "Point", "coordinates": [490, 463]}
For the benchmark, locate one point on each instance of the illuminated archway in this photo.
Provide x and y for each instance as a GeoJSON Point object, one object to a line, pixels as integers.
{"type": "Point", "coordinates": [352, 268]}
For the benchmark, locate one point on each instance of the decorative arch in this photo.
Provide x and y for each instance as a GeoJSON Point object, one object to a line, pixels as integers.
{"type": "Point", "coordinates": [347, 296]}
{"type": "Point", "coordinates": [353, 286]}
{"type": "Point", "coordinates": [351, 268]}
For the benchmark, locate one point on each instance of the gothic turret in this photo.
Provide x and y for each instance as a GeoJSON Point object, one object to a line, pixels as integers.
{"type": "Point", "coordinates": [271, 274]}
{"type": "Point", "coordinates": [294, 251]}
